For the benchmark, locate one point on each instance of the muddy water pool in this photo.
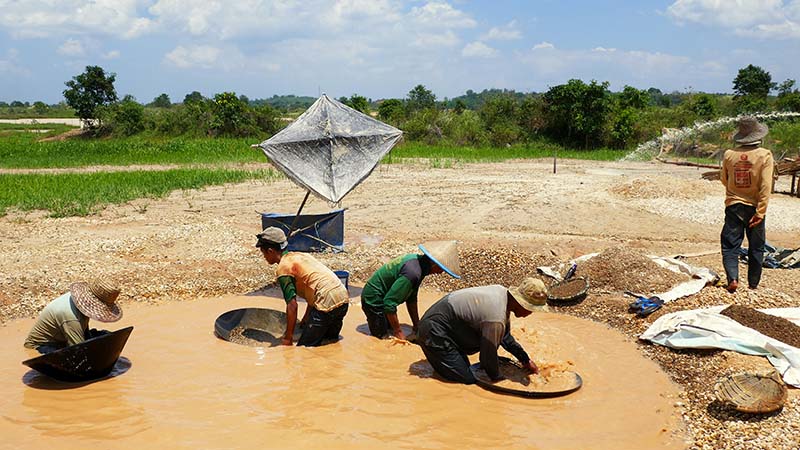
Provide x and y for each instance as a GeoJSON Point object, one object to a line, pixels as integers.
{"type": "Point", "coordinates": [178, 386]}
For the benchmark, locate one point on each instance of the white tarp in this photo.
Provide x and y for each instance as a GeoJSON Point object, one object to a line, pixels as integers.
{"type": "Point", "coordinates": [330, 148]}
{"type": "Point", "coordinates": [707, 328]}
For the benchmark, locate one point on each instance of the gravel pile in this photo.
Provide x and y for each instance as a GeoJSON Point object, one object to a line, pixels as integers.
{"type": "Point", "coordinates": [621, 268]}
{"type": "Point", "coordinates": [772, 326]}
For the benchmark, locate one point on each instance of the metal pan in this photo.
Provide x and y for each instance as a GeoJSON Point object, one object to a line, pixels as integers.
{"type": "Point", "coordinates": [486, 383]}
{"type": "Point", "coordinates": [253, 327]}
{"type": "Point", "coordinates": [89, 360]}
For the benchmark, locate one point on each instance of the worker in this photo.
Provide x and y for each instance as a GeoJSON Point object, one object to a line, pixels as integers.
{"type": "Point", "coordinates": [301, 274]}
{"type": "Point", "coordinates": [398, 282]}
{"type": "Point", "coordinates": [477, 319]}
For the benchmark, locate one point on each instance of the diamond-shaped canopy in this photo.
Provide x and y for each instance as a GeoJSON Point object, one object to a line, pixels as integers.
{"type": "Point", "coordinates": [330, 148]}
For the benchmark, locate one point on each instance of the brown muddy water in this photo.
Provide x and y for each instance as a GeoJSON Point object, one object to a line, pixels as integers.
{"type": "Point", "coordinates": [180, 387]}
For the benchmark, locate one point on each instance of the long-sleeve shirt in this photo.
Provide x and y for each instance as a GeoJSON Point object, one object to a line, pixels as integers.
{"type": "Point", "coordinates": [477, 320]}
{"type": "Point", "coordinates": [60, 324]}
{"type": "Point", "coordinates": [396, 282]}
{"type": "Point", "coordinates": [747, 176]}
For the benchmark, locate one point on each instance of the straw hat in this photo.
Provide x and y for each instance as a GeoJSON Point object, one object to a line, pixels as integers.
{"type": "Point", "coordinates": [750, 131]}
{"type": "Point", "coordinates": [531, 294]}
{"type": "Point", "coordinates": [97, 300]}
{"type": "Point", "coordinates": [444, 254]}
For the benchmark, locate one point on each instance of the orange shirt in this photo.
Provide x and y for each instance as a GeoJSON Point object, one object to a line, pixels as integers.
{"type": "Point", "coordinates": [747, 176]}
{"type": "Point", "coordinates": [314, 282]}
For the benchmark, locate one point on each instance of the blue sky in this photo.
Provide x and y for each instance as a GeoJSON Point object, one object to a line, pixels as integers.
{"type": "Point", "coordinates": [383, 48]}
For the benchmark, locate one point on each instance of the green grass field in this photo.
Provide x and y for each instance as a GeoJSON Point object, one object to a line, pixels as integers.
{"type": "Point", "coordinates": [491, 154]}
{"type": "Point", "coordinates": [80, 194]}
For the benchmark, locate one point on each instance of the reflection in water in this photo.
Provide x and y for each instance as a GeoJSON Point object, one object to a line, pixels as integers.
{"type": "Point", "coordinates": [189, 389]}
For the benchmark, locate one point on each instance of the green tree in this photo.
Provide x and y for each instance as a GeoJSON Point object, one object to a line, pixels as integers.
{"type": "Point", "coordinates": [459, 106]}
{"type": "Point", "coordinates": [357, 102]}
{"type": "Point", "coordinates": [420, 98]}
{"type": "Point", "coordinates": [703, 105]}
{"type": "Point", "coordinates": [753, 80]}
{"type": "Point", "coordinates": [162, 101]}
{"type": "Point", "coordinates": [128, 116]}
{"type": "Point", "coordinates": [89, 90]}
{"type": "Point", "coordinates": [788, 97]}
{"type": "Point", "coordinates": [40, 108]}
{"type": "Point", "coordinates": [577, 111]}
{"type": "Point", "coordinates": [229, 115]}
{"type": "Point", "coordinates": [193, 97]}
{"type": "Point", "coordinates": [499, 114]}
{"type": "Point", "coordinates": [630, 97]}
{"type": "Point", "coordinates": [623, 129]}
{"type": "Point", "coordinates": [391, 110]}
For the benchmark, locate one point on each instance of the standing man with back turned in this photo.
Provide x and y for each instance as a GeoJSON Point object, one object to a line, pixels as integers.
{"type": "Point", "coordinates": [747, 176]}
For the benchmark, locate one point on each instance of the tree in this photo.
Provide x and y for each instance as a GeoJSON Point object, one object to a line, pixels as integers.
{"type": "Point", "coordinates": [17, 104]}
{"type": "Point", "coordinates": [89, 90]}
{"type": "Point", "coordinates": [577, 110]}
{"type": "Point", "coordinates": [420, 98]}
{"type": "Point", "coordinates": [788, 97]}
{"type": "Point", "coordinates": [704, 105]}
{"type": "Point", "coordinates": [128, 116]}
{"type": "Point", "coordinates": [229, 115]}
{"type": "Point", "coordinates": [357, 102]}
{"type": "Point", "coordinates": [753, 80]}
{"type": "Point", "coordinates": [630, 97]}
{"type": "Point", "coordinates": [391, 110]}
{"type": "Point", "coordinates": [193, 97]}
{"type": "Point", "coordinates": [40, 108]}
{"type": "Point", "coordinates": [162, 101]}
{"type": "Point", "coordinates": [499, 114]}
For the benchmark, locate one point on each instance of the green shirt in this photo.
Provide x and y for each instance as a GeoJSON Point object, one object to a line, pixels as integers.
{"type": "Point", "coordinates": [59, 324]}
{"type": "Point", "coordinates": [396, 282]}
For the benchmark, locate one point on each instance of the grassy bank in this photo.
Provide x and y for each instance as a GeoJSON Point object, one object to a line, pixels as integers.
{"type": "Point", "coordinates": [492, 154]}
{"type": "Point", "coordinates": [21, 150]}
{"type": "Point", "coordinates": [82, 194]}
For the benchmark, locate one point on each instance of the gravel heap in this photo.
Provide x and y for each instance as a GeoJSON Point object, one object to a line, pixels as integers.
{"type": "Point", "coordinates": [621, 268]}
{"type": "Point", "coordinates": [772, 326]}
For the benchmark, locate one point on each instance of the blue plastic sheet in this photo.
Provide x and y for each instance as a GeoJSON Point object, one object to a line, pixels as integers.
{"type": "Point", "coordinates": [316, 232]}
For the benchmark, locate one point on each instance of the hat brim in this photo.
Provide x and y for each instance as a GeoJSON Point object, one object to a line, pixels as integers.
{"type": "Point", "coordinates": [756, 135]}
{"type": "Point", "coordinates": [438, 263]}
{"type": "Point", "coordinates": [523, 301]}
{"type": "Point", "coordinates": [91, 306]}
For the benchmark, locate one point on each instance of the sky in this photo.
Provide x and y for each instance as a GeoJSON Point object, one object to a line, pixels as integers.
{"type": "Point", "coordinates": [383, 48]}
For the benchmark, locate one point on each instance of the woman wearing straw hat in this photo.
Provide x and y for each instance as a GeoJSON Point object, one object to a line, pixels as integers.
{"type": "Point", "coordinates": [65, 321]}
{"type": "Point", "coordinates": [477, 319]}
{"type": "Point", "coordinates": [747, 176]}
{"type": "Point", "coordinates": [398, 282]}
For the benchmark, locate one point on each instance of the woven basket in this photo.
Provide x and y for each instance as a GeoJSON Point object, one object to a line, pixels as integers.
{"type": "Point", "coordinates": [752, 393]}
{"type": "Point", "coordinates": [580, 290]}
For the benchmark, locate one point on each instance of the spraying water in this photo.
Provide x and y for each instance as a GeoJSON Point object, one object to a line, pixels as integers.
{"type": "Point", "coordinates": [652, 148]}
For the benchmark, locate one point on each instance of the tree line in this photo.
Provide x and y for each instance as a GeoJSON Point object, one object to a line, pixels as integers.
{"type": "Point", "coordinates": [576, 113]}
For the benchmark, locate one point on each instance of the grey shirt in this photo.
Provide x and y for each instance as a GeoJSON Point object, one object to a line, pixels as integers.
{"type": "Point", "coordinates": [484, 310]}
{"type": "Point", "coordinates": [59, 324]}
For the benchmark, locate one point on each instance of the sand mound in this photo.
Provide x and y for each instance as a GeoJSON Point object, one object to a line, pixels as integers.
{"type": "Point", "coordinates": [622, 268]}
{"type": "Point", "coordinates": [662, 187]}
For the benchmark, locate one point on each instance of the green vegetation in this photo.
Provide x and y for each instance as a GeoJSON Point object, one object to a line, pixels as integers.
{"type": "Point", "coordinates": [80, 194]}
{"type": "Point", "coordinates": [443, 155]}
{"type": "Point", "coordinates": [20, 150]}
{"type": "Point", "coordinates": [54, 128]}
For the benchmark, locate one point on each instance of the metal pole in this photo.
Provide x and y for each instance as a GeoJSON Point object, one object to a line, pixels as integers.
{"type": "Point", "coordinates": [297, 216]}
{"type": "Point", "coordinates": [555, 153]}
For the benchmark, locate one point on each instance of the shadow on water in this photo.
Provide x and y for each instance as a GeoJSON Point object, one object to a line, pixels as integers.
{"type": "Point", "coordinates": [364, 329]}
{"type": "Point", "coordinates": [37, 380]}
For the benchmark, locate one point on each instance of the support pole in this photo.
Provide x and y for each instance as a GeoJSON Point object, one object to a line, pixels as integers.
{"type": "Point", "coordinates": [297, 216]}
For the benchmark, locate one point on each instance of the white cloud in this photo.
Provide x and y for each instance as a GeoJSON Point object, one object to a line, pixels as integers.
{"type": "Point", "coordinates": [435, 40]}
{"type": "Point", "coordinates": [43, 18]}
{"type": "Point", "coordinates": [199, 56]}
{"type": "Point", "coordinates": [543, 45]}
{"type": "Point", "coordinates": [441, 14]}
{"type": "Point", "coordinates": [9, 64]}
{"type": "Point", "coordinates": [757, 18]}
{"type": "Point", "coordinates": [113, 54]}
{"type": "Point", "coordinates": [478, 49]}
{"type": "Point", "coordinates": [508, 32]}
{"type": "Point", "coordinates": [72, 47]}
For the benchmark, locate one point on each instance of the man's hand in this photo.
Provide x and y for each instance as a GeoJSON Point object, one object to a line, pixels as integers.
{"type": "Point", "coordinates": [531, 366]}
{"type": "Point", "coordinates": [286, 341]}
{"type": "Point", "coordinates": [754, 221]}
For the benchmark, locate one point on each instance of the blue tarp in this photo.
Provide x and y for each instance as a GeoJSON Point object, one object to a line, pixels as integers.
{"type": "Point", "coordinates": [317, 232]}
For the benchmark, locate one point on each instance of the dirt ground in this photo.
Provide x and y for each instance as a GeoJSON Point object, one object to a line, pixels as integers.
{"type": "Point", "coordinates": [200, 243]}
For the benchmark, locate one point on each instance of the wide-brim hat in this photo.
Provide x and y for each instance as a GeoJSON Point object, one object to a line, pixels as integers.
{"type": "Point", "coordinates": [750, 130]}
{"type": "Point", "coordinates": [531, 294]}
{"type": "Point", "coordinates": [96, 300]}
{"type": "Point", "coordinates": [444, 254]}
